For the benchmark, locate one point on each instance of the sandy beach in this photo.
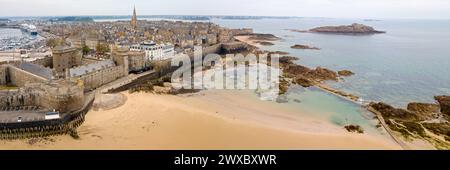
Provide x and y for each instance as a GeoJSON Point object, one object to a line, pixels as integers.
{"type": "Point", "coordinates": [246, 39]}
{"type": "Point", "coordinates": [204, 120]}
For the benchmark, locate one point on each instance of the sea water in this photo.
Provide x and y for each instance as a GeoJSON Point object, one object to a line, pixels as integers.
{"type": "Point", "coordinates": [411, 62]}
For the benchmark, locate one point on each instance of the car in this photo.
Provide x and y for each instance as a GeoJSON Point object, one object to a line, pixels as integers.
{"type": "Point", "coordinates": [19, 119]}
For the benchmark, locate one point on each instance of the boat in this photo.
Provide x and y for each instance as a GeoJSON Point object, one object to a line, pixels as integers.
{"type": "Point", "coordinates": [30, 29]}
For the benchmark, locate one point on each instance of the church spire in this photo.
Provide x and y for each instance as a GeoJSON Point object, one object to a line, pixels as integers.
{"type": "Point", "coordinates": [134, 18]}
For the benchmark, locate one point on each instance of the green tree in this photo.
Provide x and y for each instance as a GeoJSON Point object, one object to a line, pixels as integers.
{"type": "Point", "coordinates": [86, 50]}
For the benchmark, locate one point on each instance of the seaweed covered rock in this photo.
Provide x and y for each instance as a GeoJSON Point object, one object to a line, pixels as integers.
{"type": "Point", "coordinates": [439, 128]}
{"type": "Point", "coordinates": [354, 128]}
{"type": "Point", "coordinates": [304, 82]}
{"type": "Point", "coordinates": [285, 60]}
{"type": "Point", "coordinates": [294, 70]}
{"type": "Point", "coordinates": [425, 108]}
{"type": "Point", "coordinates": [415, 128]}
{"type": "Point", "coordinates": [444, 102]}
{"type": "Point", "coordinates": [304, 47]}
{"type": "Point", "coordinates": [345, 73]}
{"type": "Point", "coordinates": [284, 86]}
{"type": "Point", "coordinates": [321, 74]}
{"type": "Point", "coordinates": [389, 112]}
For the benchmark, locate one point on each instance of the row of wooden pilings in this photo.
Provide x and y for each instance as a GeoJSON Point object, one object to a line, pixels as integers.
{"type": "Point", "coordinates": [64, 126]}
{"type": "Point", "coordinates": [43, 131]}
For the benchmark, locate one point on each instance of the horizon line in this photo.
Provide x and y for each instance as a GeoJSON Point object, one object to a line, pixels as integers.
{"type": "Point", "coordinates": [274, 16]}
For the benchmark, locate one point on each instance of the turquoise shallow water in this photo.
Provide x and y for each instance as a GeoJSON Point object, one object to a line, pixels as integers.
{"type": "Point", "coordinates": [332, 108]}
{"type": "Point", "coordinates": [411, 62]}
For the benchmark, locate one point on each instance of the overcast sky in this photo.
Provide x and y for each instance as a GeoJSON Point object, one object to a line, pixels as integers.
{"type": "Point", "coordinates": [432, 9]}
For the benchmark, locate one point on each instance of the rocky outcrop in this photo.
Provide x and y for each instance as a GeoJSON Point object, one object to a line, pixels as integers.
{"type": "Point", "coordinates": [418, 121]}
{"type": "Point", "coordinates": [322, 74]}
{"type": "Point", "coordinates": [305, 76]}
{"type": "Point", "coordinates": [347, 29]}
{"type": "Point", "coordinates": [285, 60]}
{"type": "Point", "coordinates": [444, 102]}
{"type": "Point", "coordinates": [439, 128]}
{"type": "Point", "coordinates": [345, 73]}
{"type": "Point", "coordinates": [304, 47]}
{"type": "Point", "coordinates": [303, 81]}
{"type": "Point", "coordinates": [424, 108]}
{"type": "Point", "coordinates": [389, 112]}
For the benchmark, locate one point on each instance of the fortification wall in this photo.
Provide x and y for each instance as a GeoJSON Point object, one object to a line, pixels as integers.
{"type": "Point", "coordinates": [47, 61]}
{"type": "Point", "coordinates": [61, 96]}
{"type": "Point", "coordinates": [3, 73]}
{"type": "Point", "coordinates": [20, 77]}
{"type": "Point", "coordinates": [212, 49]}
{"type": "Point", "coordinates": [15, 98]}
{"type": "Point", "coordinates": [234, 47]}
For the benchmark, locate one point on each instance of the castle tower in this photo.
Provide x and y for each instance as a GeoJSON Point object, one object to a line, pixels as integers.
{"type": "Point", "coordinates": [65, 58]}
{"type": "Point", "coordinates": [134, 19]}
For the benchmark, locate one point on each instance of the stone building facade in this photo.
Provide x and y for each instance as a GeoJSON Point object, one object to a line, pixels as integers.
{"type": "Point", "coordinates": [64, 58]}
{"type": "Point", "coordinates": [137, 61]}
{"type": "Point", "coordinates": [99, 73]}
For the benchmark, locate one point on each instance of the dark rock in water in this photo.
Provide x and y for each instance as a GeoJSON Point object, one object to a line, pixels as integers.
{"type": "Point", "coordinates": [304, 82]}
{"type": "Point", "coordinates": [296, 69]}
{"type": "Point", "coordinates": [444, 102]}
{"type": "Point", "coordinates": [282, 99]}
{"type": "Point", "coordinates": [305, 76]}
{"type": "Point", "coordinates": [297, 101]}
{"type": "Point", "coordinates": [345, 73]}
{"type": "Point", "coordinates": [354, 128]}
{"type": "Point", "coordinates": [321, 74]}
{"type": "Point", "coordinates": [347, 29]}
{"type": "Point", "coordinates": [304, 47]}
{"type": "Point", "coordinates": [425, 108]}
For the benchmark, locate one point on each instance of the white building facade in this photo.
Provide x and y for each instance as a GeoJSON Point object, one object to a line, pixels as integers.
{"type": "Point", "coordinates": [155, 52]}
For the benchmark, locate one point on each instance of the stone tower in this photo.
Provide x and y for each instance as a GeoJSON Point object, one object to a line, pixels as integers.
{"type": "Point", "coordinates": [64, 58]}
{"type": "Point", "coordinates": [134, 19]}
